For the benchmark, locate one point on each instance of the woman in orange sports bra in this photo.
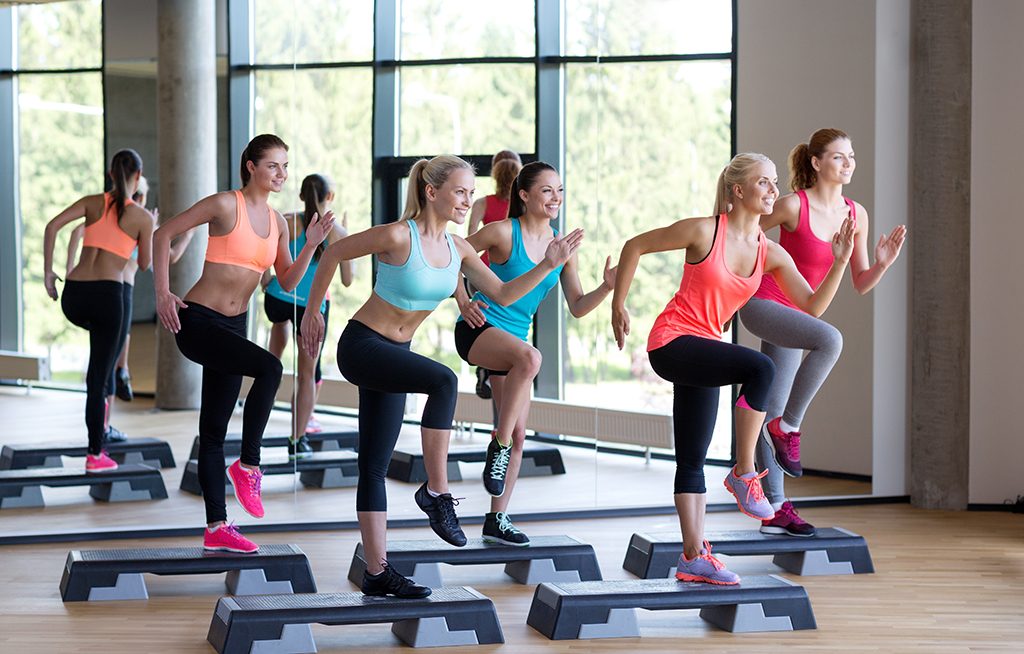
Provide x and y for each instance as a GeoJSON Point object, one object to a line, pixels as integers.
{"type": "Point", "coordinates": [246, 238]}
{"type": "Point", "coordinates": [93, 294]}
{"type": "Point", "coordinates": [726, 256]}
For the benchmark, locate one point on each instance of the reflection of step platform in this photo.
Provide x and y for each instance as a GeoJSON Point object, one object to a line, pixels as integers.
{"type": "Point", "coordinates": [325, 441]}
{"type": "Point", "coordinates": [281, 623]}
{"type": "Point", "coordinates": [149, 451]}
{"type": "Point", "coordinates": [91, 575]}
{"type": "Point", "coordinates": [321, 470]}
{"type": "Point", "coordinates": [538, 460]}
{"type": "Point", "coordinates": [832, 551]}
{"type": "Point", "coordinates": [548, 558]}
{"type": "Point", "coordinates": [607, 609]}
{"type": "Point", "coordinates": [23, 488]}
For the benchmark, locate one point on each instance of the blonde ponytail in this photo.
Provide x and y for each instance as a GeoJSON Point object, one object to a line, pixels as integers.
{"type": "Point", "coordinates": [434, 172]}
{"type": "Point", "coordinates": [737, 172]}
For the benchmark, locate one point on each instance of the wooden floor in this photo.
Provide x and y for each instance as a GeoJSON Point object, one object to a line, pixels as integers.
{"type": "Point", "coordinates": [945, 583]}
{"type": "Point", "coordinates": [592, 481]}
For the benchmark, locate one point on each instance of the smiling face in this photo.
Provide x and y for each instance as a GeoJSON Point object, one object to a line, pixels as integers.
{"type": "Point", "coordinates": [454, 198]}
{"type": "Point", "coordinates": [760, 191]}
{"type": "Point", "coordinates": [271, 171]}
{"type": "Point", "coordinates": [544, 197]}
{"type": "Point", "coordinates": [837, 163]}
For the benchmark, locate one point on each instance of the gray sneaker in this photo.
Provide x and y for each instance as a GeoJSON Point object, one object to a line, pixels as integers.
{"type": "Point", "coordinates": [706, 569]}
{"type": "Point", "coordinates": [749, 495]}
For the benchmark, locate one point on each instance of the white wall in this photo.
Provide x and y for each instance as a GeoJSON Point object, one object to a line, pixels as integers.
{"type": "Point", "coordinates": [997, 235]}
{"type": "Point", "coordinates": [807, 64]}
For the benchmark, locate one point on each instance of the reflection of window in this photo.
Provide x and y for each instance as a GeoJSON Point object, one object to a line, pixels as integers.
{"type": "Point", "coordinates": [647, 27]}
{"type": "Point", "coordinates": [441, 29]}
{"type": "Point", "coordinates": [311, 31]}
{"type": "Point", "coordinates": [467, 109]}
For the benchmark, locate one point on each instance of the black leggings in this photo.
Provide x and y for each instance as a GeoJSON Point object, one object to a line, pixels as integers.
{"type": "Point", "coordinates": [97, 307]}
{"type": "Point", "coordinates": [385, 370]}
{"type": "Point", "coordinates": [127, 293]}
{"type": "Point", "coordinates": [278, 311]}
{"type": "Point", "coordinates": [218, 343]}
{"type": "Point", "coordinates": [697, 367]}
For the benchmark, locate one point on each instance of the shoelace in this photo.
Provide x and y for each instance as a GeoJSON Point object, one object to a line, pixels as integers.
{"type": "Point", "coordinates": [504, 524]}
{"type": "Point", "coordinates": [718, 565]}
{"type": "Point", "coordinates": [255, 480]}
{"type": "Point", "coordinates": [501, 460]}
{"type": "Point", "coordinates": [793, 445]}
{"type": "Point", "coordinates": [446, 507]}
{"type": "Point", "coordinates": [789, 511]}
{"type": "Point", "coordinates": [754, 486]}
{"type": "Point", "coordinates": [232, 530]}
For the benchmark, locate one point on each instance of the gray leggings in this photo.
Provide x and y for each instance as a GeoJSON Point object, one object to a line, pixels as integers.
{"type": "Point", "coordinates": [785, 333]}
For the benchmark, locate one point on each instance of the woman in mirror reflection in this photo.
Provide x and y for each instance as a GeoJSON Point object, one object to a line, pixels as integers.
{"type": "Point", "coordinates": [418, 266]}
{"type": "Point", "coordinates": [818, 171]}
{"type": "Point", "coordinates": [94, 295]}
{"type": "Point", "coordinates": [726, 256]}
{"type": "Point", "coordinates": [285, 308]}
{"type": "Point", "coordinates": [246, 237]}
{"type": "Point", "coordinates": [512, 246]}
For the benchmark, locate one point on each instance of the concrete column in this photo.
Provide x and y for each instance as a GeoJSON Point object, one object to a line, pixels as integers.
{"type": "Point", "coordinates": [187, 138]}
{"type": "Point", "coordinates": [941, 274]}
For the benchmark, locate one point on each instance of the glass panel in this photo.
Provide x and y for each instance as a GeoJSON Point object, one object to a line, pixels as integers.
{"type": "Point", "coordinates": [289, 31]}
{"type": "Point", "coordinates": [440, 29]}
{"type": "Point", "coordinates": [476, 109]}
{"type": "Point", "coordinates": [60, 160]}
{"type": "Point", "coordinates": [626, 173]}
{"type": "Point", "coordinates": [324, 116]}
{"type": "Point", "coordinates": [647, 27]}
{"type": "Point", "coordinates": [60, 35]}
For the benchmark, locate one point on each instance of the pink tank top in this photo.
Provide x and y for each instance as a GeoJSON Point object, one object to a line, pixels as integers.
{"type": "Point", "coordinates": [709, 294]}
{"type": "Point", "coordinates": [495, 209]}
{"type": "Point", "coordinates": [812, 256]}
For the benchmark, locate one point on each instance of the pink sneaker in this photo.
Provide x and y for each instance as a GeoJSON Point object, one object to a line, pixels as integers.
{"type": "Point", "coordinates": [247, 488]}
{"type": "Point", "coordinates": [227, 538]}
{"type": "Point", "coordinates": [785, 446]}
{"type": "Point", "coordinates": [313, 426]}
{"type": "Point", "coordinates": [99, 462]}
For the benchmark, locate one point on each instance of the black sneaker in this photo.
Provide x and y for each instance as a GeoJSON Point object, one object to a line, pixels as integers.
{"type": "Point", "coordinates": [123, 385]}
{"type": "Point", "coordinates": [299, 449]}
{"type": "Point", "coordinates": [441, 511]}
{"type": "Point", "coordinates": [483, 387]}
{"type": "Point", "coordinates": [499, 529]}
{"type": "Point", "coordinates": [114, 435]}
{"type": "Point", "coordinates": [495, 467]}
{"type": "Point", "coordinates": [390, 582]}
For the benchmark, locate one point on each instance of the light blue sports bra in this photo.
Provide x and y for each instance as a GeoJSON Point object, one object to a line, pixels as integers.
{"type": "Point", "coordinates": [416, 285]}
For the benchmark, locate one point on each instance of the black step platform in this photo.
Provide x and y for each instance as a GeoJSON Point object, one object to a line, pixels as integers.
{"type": "Point", "coordinates": [538, 460]}
{"type": "Point", "coordinates": [23, 488]}
{"type": "Point", "coordinates": [93, 575]}
{"type": "Point", "coordinates": [548, 558]}
{"type": "Point", "coordinates": [325, 441]}
{"type": "Point", "coordinates": [321, 470]}
{"type": "Point", "coordinates": [607, 609]}
{"type": "Point", "coordinates": [149, 451]}
{"type": "Point", "coordinates": [280, 623]}
{"type": "Point", "coordinates": [832, 551]}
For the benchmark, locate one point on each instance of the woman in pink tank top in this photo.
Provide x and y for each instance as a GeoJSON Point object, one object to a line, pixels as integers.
{"type": "Point", "coordinates": [818, 171]}
{"type": "Point", "coordinates": [726, 256]}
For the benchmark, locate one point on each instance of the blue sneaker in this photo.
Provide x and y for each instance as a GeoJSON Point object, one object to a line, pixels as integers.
{"type": "Point", "coordinates": [706, 569]}
{"type": "Point", "coordinates": [749, 495]}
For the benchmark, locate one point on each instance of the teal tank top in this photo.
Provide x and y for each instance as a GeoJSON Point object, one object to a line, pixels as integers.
{"type": "Point", "coordinates": [517, 317]}
{"type": "Point", "coordinates": [416, 285]}
{"type": "Point", "coordinates": [300, 295]}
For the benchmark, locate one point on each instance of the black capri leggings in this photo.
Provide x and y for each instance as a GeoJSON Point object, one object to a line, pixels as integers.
{"type": "Point", "coordinates": [385, 370]}
{"type": "Point", "coordinates": [697, 367]}
{"type": "Point", "coordinates": [127, 294]}
{"type": "Point", "coordinates": [97, 307]}
{"type": "Point", "coordinates": [218, 343]}
{"type": "Point", "coordinates": [278, 311]}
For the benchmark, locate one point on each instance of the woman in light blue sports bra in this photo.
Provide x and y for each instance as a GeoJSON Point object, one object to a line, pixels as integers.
{"type": "Point", "coordinates": [283, 307]}
{"type": "Point", "coordinates": [512, 362]}
{"type": "Point", "coordinates": [418, 266]}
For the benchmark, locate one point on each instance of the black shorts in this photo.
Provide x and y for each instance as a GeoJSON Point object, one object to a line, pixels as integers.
{"type": "Point", "coordinates": [465, 336]}
{"type": "Point", "coordinates": [278, 310]}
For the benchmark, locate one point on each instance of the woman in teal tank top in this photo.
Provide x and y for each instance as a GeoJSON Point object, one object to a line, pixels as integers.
{"type": "Point", "coordinates": [283, 307]}
{"type": "Point", "coordinates": [513, 363]}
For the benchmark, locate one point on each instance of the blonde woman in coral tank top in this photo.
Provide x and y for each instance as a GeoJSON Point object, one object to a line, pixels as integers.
{"type": "Point", "coordinates": [726, 255]}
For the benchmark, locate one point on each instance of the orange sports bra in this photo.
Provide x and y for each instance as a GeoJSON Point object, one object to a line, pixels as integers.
{"type": "Point", "coordinates": [242, 246]}
{"type": "Point", "coordinates": [106, 233]}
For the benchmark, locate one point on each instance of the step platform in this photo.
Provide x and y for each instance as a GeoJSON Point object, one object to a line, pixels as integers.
{"type": "Point", "coordinates": [279, 624]}
{"type": "Point", "coordinates": [320, 470]}
{"type": "Point", "coordinates": [607, 609]}
{"type": "Point", "coordinates": [832, 551]}
{"type": "Point", "coordinates": [538, 460]}
{"type": "Point", "coordinates": [148, 451]}
{"type": "Point", "coordinates": [548, 558]}
{"type": "Point", "coordinates": [96, 575]}
{"type": "Point", "coordinates": [325, 441]}
{"type": "Point", "coordinates": [134, 481]}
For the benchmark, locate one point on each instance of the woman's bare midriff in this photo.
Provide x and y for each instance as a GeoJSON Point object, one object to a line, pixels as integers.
{"type": "Point", "coordinates": [224, 288]}
{"type": "Point", "coordinates": [98, 265]}
{"type": "Point", "coordinates": [389, 321]}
